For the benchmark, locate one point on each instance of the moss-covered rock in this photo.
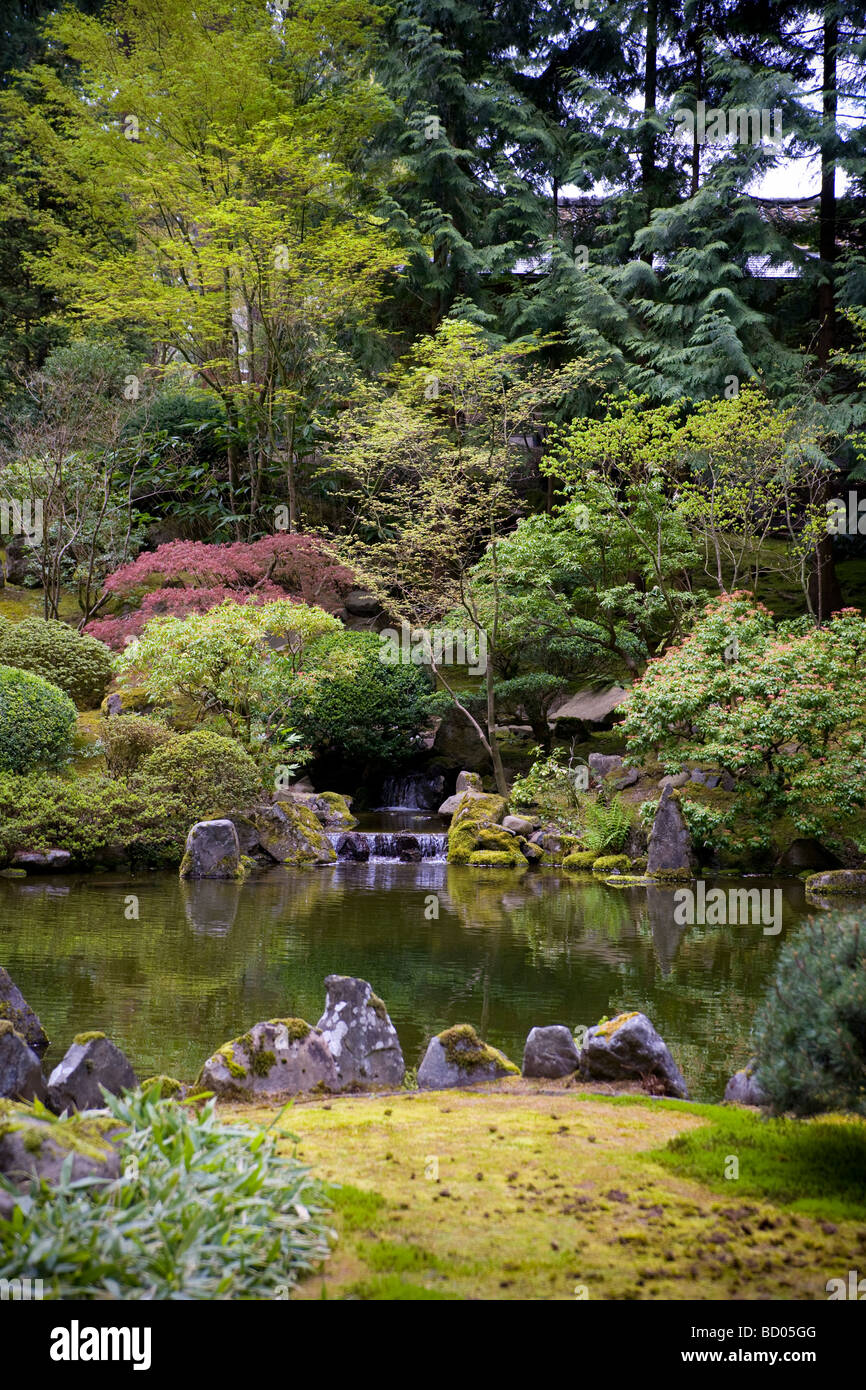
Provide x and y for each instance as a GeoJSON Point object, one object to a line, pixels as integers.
{"type": "Point", "coordinates": [580, 860]}
{"type": "Point", "coordinates": [281, 1057]}
{"type": "Point", "coordinates": [169, 1086]}
{"type": "Point", "coordinates": [842, 881]}
{"type": "Point", "coordinates": [338, 816]}
{"type": "Point", "coordinates": [611, 863]}
{"type": "Point", "coordinates": [458, 1057]}
{"type": "Point", "coordinates": [35, 1145]}
{"type": "Point", "coordinates": [473, 815]}
{"type": "Point", "coordinates": [496, 859]}
{"type": "Point", "coordinates": [292, 834]}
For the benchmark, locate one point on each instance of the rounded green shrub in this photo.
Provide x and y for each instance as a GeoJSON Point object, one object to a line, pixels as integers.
{"type": "Point", "coordinates": [76, 663]}
{"type": "Point", "coordinates": [130, 738]}
{"type": "Point", "coordinates": [208, 773]}
{"type": "Point", "coordinates": [37, 721]}
{"type": "Point", "coordinates": [810, 1031]}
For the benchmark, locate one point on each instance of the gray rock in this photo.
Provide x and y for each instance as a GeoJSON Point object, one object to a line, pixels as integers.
{"type": "Point", "coordinates": [469, 781]}
{"type": "Point", "coordinates": [38, 1148]}
{"type": "Point", "coordinates": [15, 1010]}
{"type": "Point", "coordinates": [670, 844]}
{"type": "Point", "coordinates": [627, 778]}
{"type": "Point", "coordinates": [42, 861]}
{"type": "Point", "coordinates": [548, 839]}
{"type": "Point", "coordinates": [457, 744]}
{"type": "Point", "coordinates": [212, 851]}
{"type": "Point", "coordinates": [519, 825]}
{"type": "Point", "coordinates": [408, 849]}
{"type": "Point", "coordinates": [834, 881]}
{"type": "Point", "coordinates": [531, 851]}
{"type": "Point", "coordinates": [628, 1048]}
{"type": "Point", "coordinates": [356, 847]}
{"type": "Point", "coordinates": [550, 1052]}
{"type": "Point", "coordinates": [806, 853]}
{"type": "Point", "coordinates": [450, 805]}
{"type": "Point", "coordinates": [361, 604]}
{"type": "Point", "coordinates": [279, 1058]}
{"type": "Point", "coordinates": [591, 706]}
{"type": "Point", "coordinates": [20, 1069]}
{"type": "Point", "coordinates": [458, 1057]}
{"type": "Point", "coordinates": [677, 779]}
{"type": "Point", "coordinates": [360, 1036]}
{"type": "Point", "coordinates": [744, 1087]}
{"type": "Point", "coordinates": [603, 763]}
{"type": "Point", "coordinates": [248, 836]}
{"type": "Point", "coordinates": [89, 1064]}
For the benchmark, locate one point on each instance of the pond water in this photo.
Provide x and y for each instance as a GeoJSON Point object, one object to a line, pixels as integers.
{"type": "Point", "coordinates": [204, 961]}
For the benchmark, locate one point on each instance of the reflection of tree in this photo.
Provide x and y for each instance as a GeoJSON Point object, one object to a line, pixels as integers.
{"type": "Point", "coordinates": [205, 961]}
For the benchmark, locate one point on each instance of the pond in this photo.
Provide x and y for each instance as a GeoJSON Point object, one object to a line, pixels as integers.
{"type": "Point", "coordinates": [201, 962]}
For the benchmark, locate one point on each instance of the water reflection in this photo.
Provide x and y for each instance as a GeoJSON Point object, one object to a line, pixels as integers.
{"type": "Point", "coordinates": [441, 944]}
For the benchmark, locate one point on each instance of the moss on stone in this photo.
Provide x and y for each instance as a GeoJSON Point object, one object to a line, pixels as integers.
{"type": "Point", "coordinates": [494, 859]}
{"type": "Point", "coordinates": [612, 1025]}
{"type": "Point", "coordinates": [464, 1049]}
{"type": "Point", "coordinates": [82, 1039]}
{"type": "Point", "coordinates": [296, 1028]}
{"type": "Point", "coordinates": [7, 1027]}
{"type": "Point", "coordinates": [579, 860]}
{"type": "Point", "coordinates": [378, 1007]}
{"type": "Point", "coordinates": [474, 814]}
{"type": "Point", "coordinates": [227, 1052]}
{"type": "Point", "coordinates": [609, 863]}
{"type": "Point", "coordinates": [168, 1086]}
{"type": "Point", "coordinates": [262, 1062]}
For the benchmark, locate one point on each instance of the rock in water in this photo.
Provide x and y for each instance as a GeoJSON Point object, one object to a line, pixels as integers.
{"type": "Point", "coordinates": [628, 1048]}
{"type": "Point", "coordinates": [744, 1088]}
{"type": "Point", "coordinates": [353, 846]}
{"type": "Point", "coordinates": [212, 851]}
{"type": "Point", "coordinates": [291, 834]}
{"type": "Point", "coordinates": [279, 1058]}
{"type": "Point", "coordinates": [458, 1057]}
{"type": "Point", "coordinates": [14, 1009]}
{"type": "Point", "coordinates": [360, 1036]}
{"type": "Point", "coordinates": [92, 1061]}
{"type": "Point", "coordinates": [31, 1147]}
{"type": "Point", "coordinates": [20, 1070]}
{"type": "Point", "coordinates": [670, 845]}
{"type": "Point", "coordinates": [550, 1052]}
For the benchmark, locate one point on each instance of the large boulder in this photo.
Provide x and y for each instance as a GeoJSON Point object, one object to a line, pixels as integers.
{"type": "Point", "coordinates": [604, 763]}
{"type": "Point", "coordinates": [14, 1009]}
{"type": "Point", "coordinates": [93, 1061]}
{"type": "Point", "coordinates": [458, 1057]}
{"type": "Point", "coordinates": [469, 781]}
{"type": "Point", "coordinates": [292, 834]}
{"type": "Point", "coordinates": [670, 844]}
{"type": "Point", "coordinates": [806, 853]}
{"type": "Point", "coordinates": [281, 1057]}
{"type": "Point", "coordinates": [457, 743]}
{"type": "Point", "coordinates": [212, 851]}
{"type": "Point", "coordinates": [360, 1036]}
{"type": "Point", "coordinates": [843, 881]}
{"type": "Point", "coordinates": [595, 708]}
{"type": "Point", "coordinates": [37, 1147]}
{"type": "Point", "coordinates": [628, 1048]}
{"type": "Point", "coordinates": [476, 813]}
{"type": "Point", "coordinates": [42, 861]}
{"type": "Point", "coordinates": [330, 808]}
{"type": "Point", "coordinates": [550, 1052]}
{"type": "Point", "coordinates": [744, 1088]}
{"type": "Point", "coordinates": [20, 1069]}
{"type": "Point", "coordinates": [450, 804]}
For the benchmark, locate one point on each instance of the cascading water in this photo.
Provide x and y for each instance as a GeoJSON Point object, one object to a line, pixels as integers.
{"type": "Point", "coordinates": [413, 791]}
{"type": "Point", "coordinates": [388, 845]}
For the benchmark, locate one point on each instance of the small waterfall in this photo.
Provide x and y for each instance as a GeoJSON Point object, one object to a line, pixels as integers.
{"type": "Point", "coordinates": [414, 791]}
{"type": "Point", "coordinates": [389, 845]}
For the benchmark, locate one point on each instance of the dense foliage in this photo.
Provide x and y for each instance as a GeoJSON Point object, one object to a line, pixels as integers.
{"type": "Point", "coordinates": [811, 1030]}
{"type": "Point", "coordinates": [206, 773]}
{"type": "Point", "coordinates": [76, 663]}
{"type": "Point", "coordinates": [36, 721]}
{"type": "Point", "coordinates": [203, 1209]}
{"type": "Point", "coordinates": [100, 820]}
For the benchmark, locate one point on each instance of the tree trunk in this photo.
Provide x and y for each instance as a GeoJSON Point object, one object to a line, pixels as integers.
{"type": "Point", "coordinates": [650, 96]}
{"type": "Point", "coordinates": [827, 223]}
{"type": "Point", "coordinates": [496, 756]}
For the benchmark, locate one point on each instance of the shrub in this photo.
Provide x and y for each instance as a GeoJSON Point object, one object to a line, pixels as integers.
{"type": "Point", "coordinates": [204, 1210]}
{"type": "Point", "coordinates": [206, 773]}
{"type": "Point", "coordinates": [350, 703]}
{"type": "Point", "coordinates": [75, 662]}
{"type": "Point", "coordinates": [37, 721]}
{"type": "Point", "coordinates": [810, 1031]}
{"type": "Point", "coordinates": [96, 818]}
{"type": "Point", "coordinates": [129, 739]}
